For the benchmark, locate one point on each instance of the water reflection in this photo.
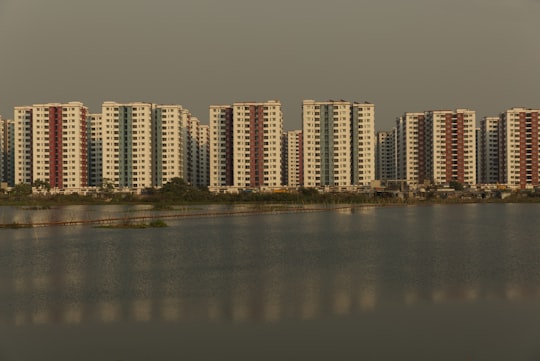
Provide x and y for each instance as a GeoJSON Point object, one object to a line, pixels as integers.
{"type": "Point", "coordinates": [270, 268]}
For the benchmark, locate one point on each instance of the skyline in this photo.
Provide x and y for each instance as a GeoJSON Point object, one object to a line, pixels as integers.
{"type": "Point", "coordinates": [402, 57]}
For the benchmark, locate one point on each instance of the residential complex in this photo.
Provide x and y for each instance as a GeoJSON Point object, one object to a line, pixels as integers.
{"type": "Point", "coordinates": [137, 145]}
{"type": "Point", "coordinates": [436, 146]}
{"type": "Point", "coordinates": [128, 146]}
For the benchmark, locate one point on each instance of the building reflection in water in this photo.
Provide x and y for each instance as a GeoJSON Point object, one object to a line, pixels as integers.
{"type": "Point", "coordinates": [232, 277]}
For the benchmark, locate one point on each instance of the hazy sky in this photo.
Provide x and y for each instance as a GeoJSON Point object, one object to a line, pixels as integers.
{"type": "Point", "coordinates": [402, 55]}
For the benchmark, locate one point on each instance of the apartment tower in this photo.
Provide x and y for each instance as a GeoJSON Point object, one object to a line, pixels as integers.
{"type": "Point", "coordinates": [385, 157]}
{"type": "Point", "coordinates": [197, 153]}
{"type": "Point", "coordinates": [411, 148]}
{"type": "Point", "coordinates": [51, 145]}
{"type": "Point", "coordinates": [338, 141]}
{"type": "Point", "coordinates": [489, 137]}
{"type": "Point", "coordinates": [245, 145]}
{"type": "Point", "coordinates": [95, 150]}
{"type": "Point", "coordinates": [295, 159]}
{"type": "Point", "coordinates": [170, 125]}
{"type": "Point", "coordinates": [6, 151]}
{"type": "Point", "coordinates": [519, 148]}
{"type": "Point", "coordinates": [452, 146]}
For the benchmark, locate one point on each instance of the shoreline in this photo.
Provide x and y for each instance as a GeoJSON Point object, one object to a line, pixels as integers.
{"type": "Point", "coordinates": [251, 208]}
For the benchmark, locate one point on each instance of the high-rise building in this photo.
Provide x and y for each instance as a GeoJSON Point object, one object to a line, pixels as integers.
{"type": "Point", "coordinates": [169, 143]}
{"type": "Point", "coordinates": [204, 155]}
{"type": "Point", "coordinates": [489, 155]}
{"type": "Point", "coordinates": [479, 154]}
{"type": "Point", "coordinates": [221, 146]}
{"type": "Point", "coordinates": [386, 155]}
{"type": "Point", "coordinates": [452, 145]}
{"type": "Point", "coordinates": [339, 143]}
{"type": "Point", "coordinates": [245, 145]}
{"type": "Point", "coordinates": [295, 158]}
{"type": "Point", "coordinates": [519, 148]}
{"type": "Point", "coordinates": [197, 153]}
{"type": "Point", "coordinates": [51, 145]}
{"type": "Point", "coordinates": [95, 150]}
{"type": "Point", "coordinates": [3, 150]}
{"type": "Point", "coordinates": [143, 144]}
{"type": "Point", "coordinates": [411, 148]}
{"type": "Point", "coordinates": [23, 118]}
{"type": "Point", "coordinates": [127, 145]}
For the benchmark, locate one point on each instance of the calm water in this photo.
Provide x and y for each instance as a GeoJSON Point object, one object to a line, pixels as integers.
{"type": "Point", "coordinates": [406, 283]}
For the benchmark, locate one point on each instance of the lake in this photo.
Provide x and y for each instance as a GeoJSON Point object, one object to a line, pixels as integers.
{"type": "Point", "coordinates": [437, 282]}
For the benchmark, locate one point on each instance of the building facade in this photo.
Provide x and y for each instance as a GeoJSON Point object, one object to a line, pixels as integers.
{"type": "Point", "coordinates": [519, 148]}
{"type": "Point", "coordinates": [6, 152]}
{"type": "Point", "coordinates": [489, 164]}
{"type": "Point", "coordinates": [294, 159]}
{"type": "Point", "coordinates": [127, 160]}
{"type": "Point", "coordinates": [451, 140]}
{"type": "Point", "coordinates": [51, 145]}
{"type": "Point", "coordinates": [411, 148]}
{"type": "Point", "coordinates": [221, 146]}
{"type": "Point", "coordinates": [385, 158]}
{"type": "Point", "coordinates": [170, 124]}
{"type": "Point", "coordinates": [95, 150]}
{"type": "Point", "coordinates": [144, 145]}
{"type": "Point", "coordinates": [204, 155]}
{"type": "Point", "coordinates": [338, 141]}
{"type": "Point", "coordinates": [245, 145]}
{"type": "Point", "coordinates": [197, 153]}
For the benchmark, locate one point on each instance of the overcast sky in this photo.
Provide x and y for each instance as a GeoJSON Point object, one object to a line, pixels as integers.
{"type": "Point", "coordinates": [402, 55]}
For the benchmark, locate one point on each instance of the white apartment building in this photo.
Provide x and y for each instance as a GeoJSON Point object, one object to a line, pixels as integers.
{"type": "Point", "coordinates": [127, 145]}
{"type": "Point", "coordinates": [23, 145]}
{"type": "Point", "coordinates": [169, 143]}
{"type": "Point", "coordinates": [294, 149]}
{"type": "Point", "coordinates": [411, 148]}
{"type": "Point", "coordinates": [245, 145]}
{"type": "Point", "coordinates": [489, 137]}
{"type": "Point", "coordinates": [385, 158]}
{"type": "Point", "coordinates": [451, 141]}
{"type": "Point", "coordinates": [338, 141]}
{"type": "Point", "coordinates": [257, 144]}
{"type": "Point", "coordinates": [51, 145]}
{"type": "Point", "coordinates": [519, 148]}
{"type": "Point", "coordinates": [143, 144]}
{"type": "Point", "coordinates": [363, 143]}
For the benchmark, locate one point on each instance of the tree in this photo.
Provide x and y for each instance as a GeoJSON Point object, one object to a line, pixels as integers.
{"type": "Point", "coordinates": [42, 185]}
{"type": "Point", "coordinates": [456, 185]}
{"type": "Point", "coordinates": [107, 185]}
{"type": "Point", "coordinates": [22, 189]}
